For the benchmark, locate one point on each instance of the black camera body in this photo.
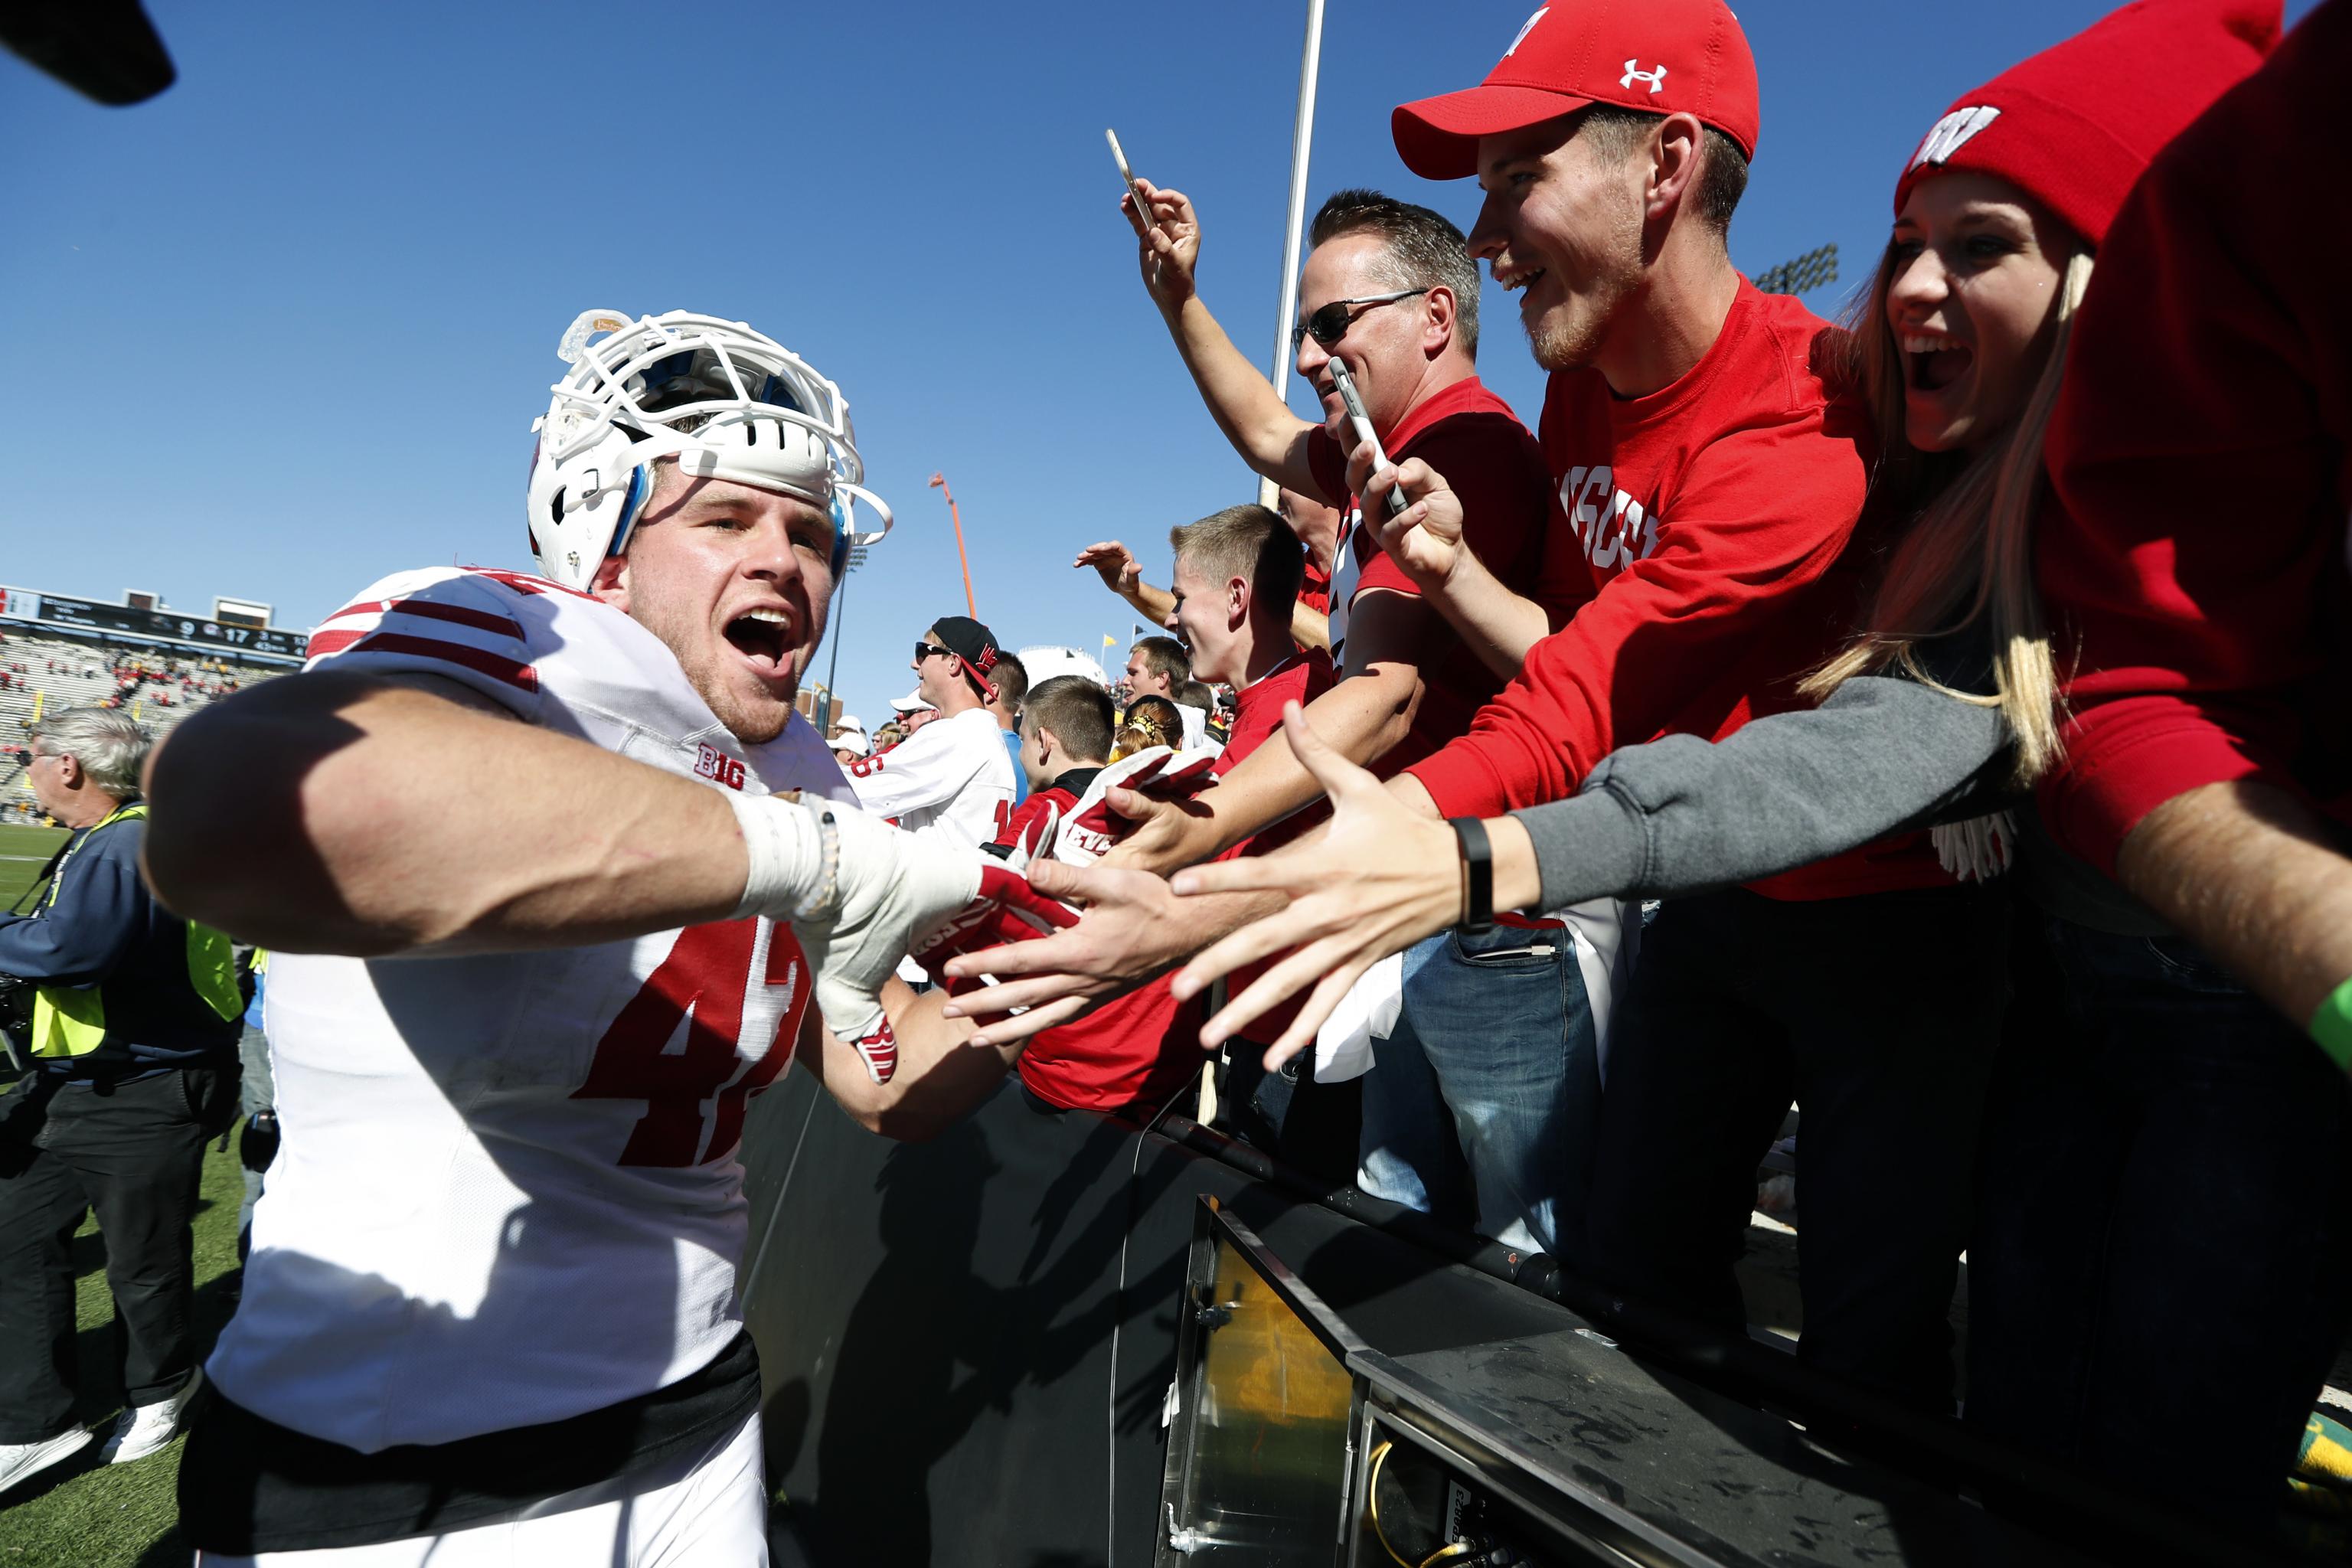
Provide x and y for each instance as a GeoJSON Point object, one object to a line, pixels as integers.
{"type": "Point", "coordinates": [16, 1009]}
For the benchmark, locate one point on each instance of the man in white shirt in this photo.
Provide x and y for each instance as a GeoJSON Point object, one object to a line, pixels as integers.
{"type": "Point", "coordinates": [952, 777]}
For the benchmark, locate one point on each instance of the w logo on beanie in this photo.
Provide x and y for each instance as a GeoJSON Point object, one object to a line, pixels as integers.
{"type": "Point", "coordinates": [1949, 134]}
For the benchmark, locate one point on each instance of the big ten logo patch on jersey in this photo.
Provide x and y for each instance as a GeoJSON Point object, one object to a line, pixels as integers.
{"type": "Point", "coordinates": [1614, 529]}
{"type": "Point", "coordinates": [699, 1038]}
{"type": "Point", "coordinates": [711, 762]}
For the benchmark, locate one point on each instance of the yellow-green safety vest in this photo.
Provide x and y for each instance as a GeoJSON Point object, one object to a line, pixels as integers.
{"type": "Point", "coordinates": [70, 1020]}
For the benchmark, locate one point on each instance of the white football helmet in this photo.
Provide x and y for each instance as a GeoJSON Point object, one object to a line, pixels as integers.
{"type": "Point", "coordinates": [723, 400]}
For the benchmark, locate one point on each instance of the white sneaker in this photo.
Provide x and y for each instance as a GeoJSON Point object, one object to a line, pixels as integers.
{"type": "Point", "coordinates": [19, 1460]}
{"type": "Point", "coordinates": [143, 1429]}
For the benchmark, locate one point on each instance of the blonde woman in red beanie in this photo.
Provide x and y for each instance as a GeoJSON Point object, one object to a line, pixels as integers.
{"type": "Point", "coordinates": [1941, 711]}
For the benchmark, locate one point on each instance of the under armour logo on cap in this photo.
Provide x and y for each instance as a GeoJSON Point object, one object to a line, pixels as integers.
{"type": "Point", "coordinates": [1572, 53]}
{"type": "Point", "coordinates": [1951, 133]}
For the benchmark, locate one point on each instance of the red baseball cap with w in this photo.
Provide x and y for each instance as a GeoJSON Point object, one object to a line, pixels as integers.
{"type": "Point", "coordinates": [1661, 56]}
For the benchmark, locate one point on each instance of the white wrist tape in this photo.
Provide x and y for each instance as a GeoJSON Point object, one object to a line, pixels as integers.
{"type": "Point", "coordinates": [794, 856]}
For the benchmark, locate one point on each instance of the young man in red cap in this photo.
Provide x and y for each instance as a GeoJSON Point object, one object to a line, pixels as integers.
{"type": "Point", "coordinates": [953, 775]}
{"type": "Point", "coordinates": [1714, 481]}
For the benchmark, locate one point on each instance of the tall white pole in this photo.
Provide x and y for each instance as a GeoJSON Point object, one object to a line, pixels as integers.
{"type": "Point", "coordinates": [1302, 140]}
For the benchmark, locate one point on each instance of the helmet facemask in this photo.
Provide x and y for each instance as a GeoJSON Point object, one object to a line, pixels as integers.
{"type": "Point", "coordinates": [724, 401]}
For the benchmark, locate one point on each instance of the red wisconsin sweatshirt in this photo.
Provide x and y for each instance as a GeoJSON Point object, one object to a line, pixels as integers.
{"type": "Point", "coordinates": [2199, 456]}
{"type": "Point", "coordinates": [1712, 516]}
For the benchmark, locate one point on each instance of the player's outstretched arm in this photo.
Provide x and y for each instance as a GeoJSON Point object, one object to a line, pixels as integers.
{"type": "Point", "coordinates": [1269, 438]}
{"type": "Point", "coordinates": [332, 813]}
{"type": "Point", "coordinates": [940, 1075]}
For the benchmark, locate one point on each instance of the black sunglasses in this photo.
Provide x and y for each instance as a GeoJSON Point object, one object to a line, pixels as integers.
{"type": "Point", "coordinates": [1330, 324]}
{"type": "Point", "coordinates": [924, 650]}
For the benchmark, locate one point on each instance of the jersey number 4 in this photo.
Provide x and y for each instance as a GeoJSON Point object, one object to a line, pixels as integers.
{"type": "Point", "coordinates": [703, 984]}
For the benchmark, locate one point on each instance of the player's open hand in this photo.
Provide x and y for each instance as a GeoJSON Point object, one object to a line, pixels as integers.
{"type": "Point", "coordinates": [1383, 877]}
{"type": "Point", "coordinates": [1425, 539]}
{"type": "Point", "coordinates": [1115, 564]}
{"type": "Point", "coordinates": [891, 893]}
{"type": "Point", "coordinates": [1133, 930]}
{"type": "Point", "coordinates": [1169, 248]}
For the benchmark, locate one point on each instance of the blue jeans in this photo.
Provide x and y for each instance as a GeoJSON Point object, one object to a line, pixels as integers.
{"type": "Point", "coordinates": [1482, 1105]}
{"type": "Point", "coordinates": [2162, 1269]}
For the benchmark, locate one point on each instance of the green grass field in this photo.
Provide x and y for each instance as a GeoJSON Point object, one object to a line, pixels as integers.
{"type": "Point", "coordinates": [90, 1516]}
{"type": "Point", "coordinates": [23, 851]}
{"type": "Point", "coordinates": [79, 1513]}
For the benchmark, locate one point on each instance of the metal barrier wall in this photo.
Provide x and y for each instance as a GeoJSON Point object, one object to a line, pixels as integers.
{"type": "Point", "coordinates": [968, 1346]}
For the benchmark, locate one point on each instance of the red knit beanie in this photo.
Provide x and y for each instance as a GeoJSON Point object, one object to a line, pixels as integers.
{"type": "Point", "coordinates": [2073, 126]}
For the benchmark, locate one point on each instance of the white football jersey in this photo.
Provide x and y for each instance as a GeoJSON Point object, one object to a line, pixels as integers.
{"type": "Point", "coordinates": [509, 1192]}
{"type": "Point", "coordinates": [953, 777]}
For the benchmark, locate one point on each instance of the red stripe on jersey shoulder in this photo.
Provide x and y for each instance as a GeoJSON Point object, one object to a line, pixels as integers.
{"type": "Point", "coordinates": [521, 676]}
{"type": "Point", "coordinates": [524, 583]}
{"type": "Point", "coordinates": [480, 620]}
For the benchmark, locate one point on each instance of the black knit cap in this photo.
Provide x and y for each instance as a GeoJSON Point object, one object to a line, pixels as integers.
{"type": "Point", "coordinates": [974, 646]}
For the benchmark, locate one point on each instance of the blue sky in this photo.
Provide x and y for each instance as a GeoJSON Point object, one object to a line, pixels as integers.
{"type": "Point", "coordinates": [284, 329]}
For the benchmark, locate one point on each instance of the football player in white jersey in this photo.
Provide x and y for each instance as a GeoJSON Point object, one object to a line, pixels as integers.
{"type": "Point", "coordinates": [954, 775]}
{"type": "Point", "coordinates": [545, 912]}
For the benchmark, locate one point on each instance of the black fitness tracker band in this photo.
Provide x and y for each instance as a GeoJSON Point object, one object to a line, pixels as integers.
{"type": "Point", "coordinates": [1477, 874]}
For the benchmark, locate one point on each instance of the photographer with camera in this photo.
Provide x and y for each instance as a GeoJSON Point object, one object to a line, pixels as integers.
{"type": "Point", "coordinates": [133, 1049]}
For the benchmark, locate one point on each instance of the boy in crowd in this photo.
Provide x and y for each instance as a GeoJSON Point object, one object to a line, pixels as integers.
{"type": "Point", "coordinates": [1140, 1050]}
{"type": "Point", "coordinates": [1065, 732]}
{"type": "Point", "coordinates": [1236, 583]}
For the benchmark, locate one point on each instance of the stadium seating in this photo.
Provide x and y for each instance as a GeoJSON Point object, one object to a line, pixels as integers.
{"type": "Point", "coordinates": [160, 685]}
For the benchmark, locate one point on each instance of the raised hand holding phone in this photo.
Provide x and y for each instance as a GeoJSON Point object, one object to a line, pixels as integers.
{"type": "Point", "coordinates": [1168, 234]}
{"type": "Point", "coordinates": [1362, 422]}
{"type": "Point", "coordinates": [1127, 175]}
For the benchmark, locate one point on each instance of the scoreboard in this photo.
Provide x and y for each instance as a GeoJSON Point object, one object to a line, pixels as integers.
{"type": "Point", "coordinates": [165, 625]}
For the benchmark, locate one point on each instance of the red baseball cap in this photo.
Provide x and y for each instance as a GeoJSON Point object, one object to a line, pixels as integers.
{"type": "Point", "coordinates": [1661, 56]}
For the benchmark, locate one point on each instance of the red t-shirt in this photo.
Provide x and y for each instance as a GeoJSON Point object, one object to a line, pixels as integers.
{"type": "Point", "coordinates": [1471, 437]}
{"type": "Point", "coordinates": [1711, 517]}
{"type": "Point", "coordinates": [2202, 452]}
{"type": "Point", "coordinates": [1257, 719]}
{"type": "Point", "coordinates": [1139, 1048]}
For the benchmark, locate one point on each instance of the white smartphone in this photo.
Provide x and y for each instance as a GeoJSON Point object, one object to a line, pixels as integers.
{"type": "Point", "coordinates": [1119, 154]}
{"type": "Point", "coordinates": [1363, 426]}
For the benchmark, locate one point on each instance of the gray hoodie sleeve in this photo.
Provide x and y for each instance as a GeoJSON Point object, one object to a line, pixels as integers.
{"type": "Point", "coordinates": [1682, 814]}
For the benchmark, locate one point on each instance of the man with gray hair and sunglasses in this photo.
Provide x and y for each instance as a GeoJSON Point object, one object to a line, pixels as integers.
{"type": "Point", "coordinates": [135, 1024]}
